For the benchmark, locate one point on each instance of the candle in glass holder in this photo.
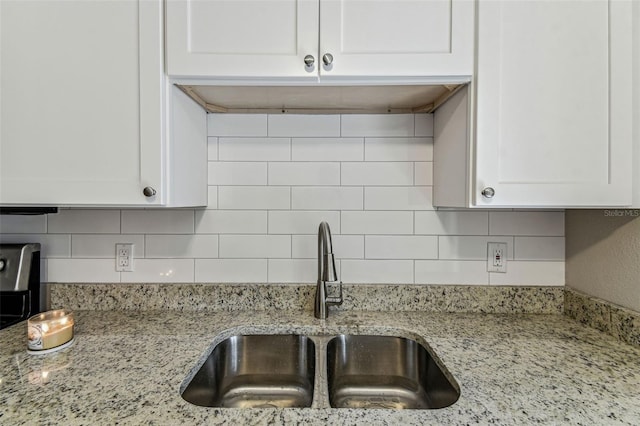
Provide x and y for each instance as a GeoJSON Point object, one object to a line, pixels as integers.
{"type": "Point", "coordinates": [50, 330]}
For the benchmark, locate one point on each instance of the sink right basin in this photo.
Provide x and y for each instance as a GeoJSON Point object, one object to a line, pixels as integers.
{"type": "Point", "coordinates": [385, 372]}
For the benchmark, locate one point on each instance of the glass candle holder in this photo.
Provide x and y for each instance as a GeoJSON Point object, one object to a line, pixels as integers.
{"type": "Point", "coordinates": [50, 331]}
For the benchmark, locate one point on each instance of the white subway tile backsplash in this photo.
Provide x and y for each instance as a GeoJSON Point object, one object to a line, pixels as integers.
{"type": "Point", "coordinates": [423, 173]}
{"type": "Point", "coordinates": [530, 274]}
{"type": "Point", "coordinates": [387, 174]}
{"type": "Point", "coordinates": [254, 149]}
{"type": "Point", "coordinates": [470, 247]}
{"type": "Point", "coordinates": [304, 125]}
{"type": "Point", "coordinates": [377, 271]}
{"type": "Point", "coordinates": [255, 246]}
{"type": "Point", "coordinates": [181, 246]}
{"type": "Point", "coordinates": [304, 173]}
{"type": "Point", "coordinates": [51, 245]}
{"type": "Point", "coordinates": [327, 149]}
{"type": "Point", "coordinates": [160, 271]}
{"type": "Point", "coordinates": [44, 266]}
{"type": "Point", "coordinates": [254, 197]}
{"type": "Point", "coordinates": [302, 222]}
{"type": "Point", "coordinates": [157, 221]}
{"type": "Point", "coordinates": [82, 271]}
{"type": "Point", "coordinates": [14, 224]}
{"type": "Point", "coordinates": [327, 198]}
{"type": "Point", "coordinates": [398, 149]}
{"type": "Point", "coordinates": [398, 198]}
{"type": "Point", "coordinates": [293, 270]}
{"type": "Point", "coordinates": [237, 173]}
{"type": "Point", "coordinates": [378, 125]}
{"type": "Point", "coordinates": [452, 223]}
{"type": "Point", "coordinates": [403, 247]}
{"type": "Point", "coordinates": [237, 125]}
{"type": "Point", "coordinates": [527, 223]}
{"type": "Point", "coordinates": [231, 222]}
{"type": "Point", "coordinates": [212, 149]}
{"type": "Point", "coordinates": [451, 272]}
{"type": "Point", "coordinates": [84, 222]}
{"type": "Point", "coordinates": [424, 124]}
{"type": "Point", "coordinates": [103, 245]}
{"type": "Point", "coordinates": [377, 222]}
{"type": "Point", "coordinates": [344, 246]}
{"type": "Point", "coordinates": [231, 270]}
{"type": "Point", "coordinates": [272, 180]}
{"type": "Point", "coordinates": [539, 248]}
{"type": "Point", "coordinates": [212, 194]}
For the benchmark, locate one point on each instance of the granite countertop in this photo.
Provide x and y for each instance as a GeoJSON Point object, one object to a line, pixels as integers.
{"type": "Point", "coordinates": [127, 367]}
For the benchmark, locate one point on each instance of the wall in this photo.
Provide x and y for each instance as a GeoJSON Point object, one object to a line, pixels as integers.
{"type": "Point", "coordinates": [636, 104]}
{"type": "Point", "coordinates": [272, 179]}
{"type": "Point", "coordinates": [603, 254]}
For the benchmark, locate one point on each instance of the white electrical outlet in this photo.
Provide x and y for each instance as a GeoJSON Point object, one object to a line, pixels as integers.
{"type": "Point", "coordinates": [124, 257]}
{"type": "Point", "coordinates": [497, 257]}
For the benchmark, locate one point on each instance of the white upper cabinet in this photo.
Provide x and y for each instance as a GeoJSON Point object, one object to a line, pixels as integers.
{"type": "Point", "coordinates": [338, 38]}
{"type": "Point", "coordinates": [249, 38]}
{"type": "Point", "coordinates": [84, 106]}
{"type": "Point", "coordinates": [397, 37]}
{"type": "Point", "coordinates": [552, 107]}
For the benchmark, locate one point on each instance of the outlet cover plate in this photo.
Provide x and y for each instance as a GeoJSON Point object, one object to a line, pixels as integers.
{"type": "Point", "coordinates": [497, 257]}
{"type": "Point", "coordinates": [124, 257]}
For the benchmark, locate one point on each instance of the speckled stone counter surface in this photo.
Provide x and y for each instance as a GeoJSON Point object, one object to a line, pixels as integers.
{"type": "Point", "coordinates": [359, 297]}
{"type": "Point", "coordinates": [622, 323]}
{"type": "Point", "coordinates": [127, 367]}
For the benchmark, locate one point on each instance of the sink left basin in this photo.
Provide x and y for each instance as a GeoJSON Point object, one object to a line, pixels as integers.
{"type": "Point", "coordinates": [254, 371]}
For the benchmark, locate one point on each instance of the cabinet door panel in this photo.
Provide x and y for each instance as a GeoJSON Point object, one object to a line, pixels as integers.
{"type": "Point", "coordinates": [553, 105]}
{"type": "Point", "coordinates": [217, 38]}
{"type": "Point", "coordinates": [397, 37]}
{"type": "Point", "coordinates": [71, 122]}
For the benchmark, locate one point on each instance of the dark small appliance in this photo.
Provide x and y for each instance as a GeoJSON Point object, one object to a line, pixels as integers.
{"type": "Point", "coordinates": [20, 291]}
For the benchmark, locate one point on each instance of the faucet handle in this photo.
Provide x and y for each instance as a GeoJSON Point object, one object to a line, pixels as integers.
{"type": "Point", "coordinates": [333, 300]}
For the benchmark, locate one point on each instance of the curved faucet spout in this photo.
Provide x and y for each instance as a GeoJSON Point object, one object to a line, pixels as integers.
{"type": "Point", "coordinates": [326, 261]}
{"type": "Point", "coordinates": [326, 272]}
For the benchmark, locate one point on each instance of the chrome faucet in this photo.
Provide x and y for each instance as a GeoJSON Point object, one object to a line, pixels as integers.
{"type": "Point", "coordinates": [326, 272]}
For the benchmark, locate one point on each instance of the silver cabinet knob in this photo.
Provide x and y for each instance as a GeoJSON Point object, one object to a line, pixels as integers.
{"type": "Point", "coordinates": [488, 192]}
{"type": "Point", "coordinates": [327, 58]}
{"type": "Point", "coordinates": [3, 263]}
{"type": "Point", "coordinates": [149, 191]}
{"type": "Point", "coordinates": [309, 60]}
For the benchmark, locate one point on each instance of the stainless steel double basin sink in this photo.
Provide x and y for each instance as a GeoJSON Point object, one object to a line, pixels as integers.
{"type": "Point", "coordinates": [343, 371]}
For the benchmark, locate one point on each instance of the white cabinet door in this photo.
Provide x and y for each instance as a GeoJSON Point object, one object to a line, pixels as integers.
{"type": "Point", "coordinates": [397, 37]}
{"type": "Point", "coordinates": [81, 102]}
{"type": "Point", "coordinates": [248, 38]}
{"type": "Point", "coordinates": [553, 123]}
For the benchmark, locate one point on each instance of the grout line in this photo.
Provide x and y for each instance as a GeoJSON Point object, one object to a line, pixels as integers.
{"type": "Point", "coordinates": [268, 277]}
{"type": "Point", "coordinates": [413, 271]}
{"type": "Point", "coordinates": [414, 125]}
{"type": "Point", "coordinates": [268, 182]}
{"type": "Point", "coordinates": [364, 149]}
